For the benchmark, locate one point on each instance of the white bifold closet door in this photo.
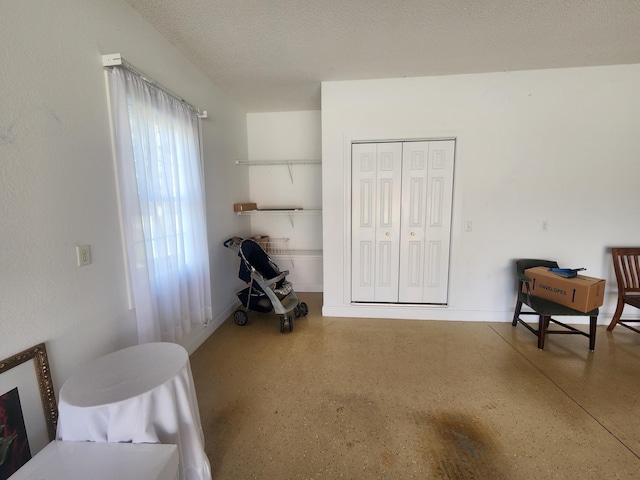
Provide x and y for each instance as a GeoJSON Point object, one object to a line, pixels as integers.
{"type": "Point", "coordinates": [375, 219]}
{"type": "Point", "coordinates": [401, 221]}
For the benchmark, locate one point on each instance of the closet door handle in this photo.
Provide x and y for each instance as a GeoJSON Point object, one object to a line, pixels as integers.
{"type": "Point", "coordinates": [388, 234]}
{"type": "Point", "coordinates": [413, 234]}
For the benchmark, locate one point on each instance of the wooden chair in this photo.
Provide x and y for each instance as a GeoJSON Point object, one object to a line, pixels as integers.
{"type": "Point", "coordinates": [626, 264]}
{"type": "Point", "coordinates": [546, 309]}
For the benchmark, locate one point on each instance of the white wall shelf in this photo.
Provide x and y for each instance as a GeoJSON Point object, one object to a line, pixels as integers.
{"type": "Point", "coordinates": [280, 211]}
{"type": "Point", "coordinates": [291, 212]}
{"type": "Point", "coordinates": [296, 258]}
{"type": "Point", "coordinates": [277, 162]}
{"type": "Point", "coordinates": [288, 163]}
{"type": "Point", "coordinates": [291, 254]}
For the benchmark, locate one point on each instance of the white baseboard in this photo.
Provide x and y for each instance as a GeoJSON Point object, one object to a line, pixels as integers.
{"type": "Point", "coordinates": [197, 338]}
{"type": "Point", "coordinates": [436, 312]}
{"type": "Point", "coordinates": [307, 288]}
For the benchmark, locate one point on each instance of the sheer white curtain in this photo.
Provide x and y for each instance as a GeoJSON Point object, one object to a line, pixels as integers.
{"type": "Point", "coordinates": [161, 192]}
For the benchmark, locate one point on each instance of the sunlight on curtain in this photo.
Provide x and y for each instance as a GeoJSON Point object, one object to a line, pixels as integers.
{"type": "Point", "coordinates": [160, 182]}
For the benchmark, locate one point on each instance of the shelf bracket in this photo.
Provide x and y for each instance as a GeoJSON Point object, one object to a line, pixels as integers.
{"type": "Point", "coordinates": [291, 220]}
{"type": "Point", "coordinates": [290, 167]}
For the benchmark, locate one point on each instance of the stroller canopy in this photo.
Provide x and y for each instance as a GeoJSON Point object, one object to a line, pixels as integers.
{"type": "Point", "coordinates": [254, 256]}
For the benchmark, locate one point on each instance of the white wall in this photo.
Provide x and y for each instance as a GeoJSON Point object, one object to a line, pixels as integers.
{"type": "Point", "coordinates": [289, 136]}
{"type": "Point", "coordinates": [561, 146]}
{"type": "Point", "coordinates": [57, 185]}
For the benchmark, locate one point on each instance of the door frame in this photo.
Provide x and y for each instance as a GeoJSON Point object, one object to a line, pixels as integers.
{"type": "Point", "coordinates": [456, 222]}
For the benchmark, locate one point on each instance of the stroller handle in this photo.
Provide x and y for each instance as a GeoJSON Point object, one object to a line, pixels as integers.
{"type": "Point", "coordinates": [233, 243]}
{"type": "Point", "coordinates": [268, 281]}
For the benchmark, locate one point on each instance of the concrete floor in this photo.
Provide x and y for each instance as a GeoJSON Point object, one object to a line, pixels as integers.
{"type": "Point", "coordinates": [399, 399]}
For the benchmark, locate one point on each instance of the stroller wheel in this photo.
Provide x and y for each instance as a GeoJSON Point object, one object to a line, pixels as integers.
{"type": "Point", "coordinates": [240, 317]}
{"type": "Point", "coordinates": [282, 324]}
{"type": "Point", "coordinates": [304, 309]}
{"type": "Point", "coordinates": [290, 324]}
{"type": "Point", "coordinates": [297, 312]}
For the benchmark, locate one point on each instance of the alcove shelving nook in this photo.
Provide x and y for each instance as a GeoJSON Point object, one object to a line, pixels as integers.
{"type": "Point", "coordinates": [288, 195]}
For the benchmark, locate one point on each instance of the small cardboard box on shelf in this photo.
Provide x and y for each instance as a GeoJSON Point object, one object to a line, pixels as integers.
{"type": "Point", "coordinates": [243, 207]}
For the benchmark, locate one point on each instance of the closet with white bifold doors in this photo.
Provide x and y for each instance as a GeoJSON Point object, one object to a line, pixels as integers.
{"type": "Point", "coordinates": [401, 221]}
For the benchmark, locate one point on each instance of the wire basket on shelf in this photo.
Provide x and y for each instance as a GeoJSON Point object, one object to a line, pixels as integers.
{"type": "Point", "coordinates": [276, 246]}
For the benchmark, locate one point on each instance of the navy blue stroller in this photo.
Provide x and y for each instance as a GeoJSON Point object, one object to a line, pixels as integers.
{"type": "Point", "coordinates": [268, 287]}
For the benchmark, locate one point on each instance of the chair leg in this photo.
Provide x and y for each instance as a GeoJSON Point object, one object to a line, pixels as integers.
{"type": "Point", "coordinates": [592, 333]}
{"type": "Point", "coordinates": [543, 324]}
{"type": "Point", "coordinates": [516, 313]}
{"type": "Point", "coordinates": [616, 315]}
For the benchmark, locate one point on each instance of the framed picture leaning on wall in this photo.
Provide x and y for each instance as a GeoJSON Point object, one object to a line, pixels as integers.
{"type": "Point", "coordinates": [28, 412]}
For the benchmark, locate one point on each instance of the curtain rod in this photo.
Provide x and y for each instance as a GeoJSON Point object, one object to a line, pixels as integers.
{"type": "Point", "coordinates": [115, 59]}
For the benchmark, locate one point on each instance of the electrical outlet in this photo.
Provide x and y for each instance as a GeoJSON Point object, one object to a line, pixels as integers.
{"type": "Point", "coordinates": [84, 255]}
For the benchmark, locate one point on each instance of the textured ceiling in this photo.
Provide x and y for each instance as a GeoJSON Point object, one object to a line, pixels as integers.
{"type": "Point", "coordinates": [271, 55]}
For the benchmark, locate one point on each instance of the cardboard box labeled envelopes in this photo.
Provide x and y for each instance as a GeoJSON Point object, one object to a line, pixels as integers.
{"type": "Point", "coordinates": [581, 293]}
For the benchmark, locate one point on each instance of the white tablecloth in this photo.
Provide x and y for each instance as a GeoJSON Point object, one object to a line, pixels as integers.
{"type": "Point", "coordinates": [141, 394]}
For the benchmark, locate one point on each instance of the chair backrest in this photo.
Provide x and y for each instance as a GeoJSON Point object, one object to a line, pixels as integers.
{"type": "Point", "coordinates": [524, 263]}
{"type": "Point", "coordinates": [626, 264]}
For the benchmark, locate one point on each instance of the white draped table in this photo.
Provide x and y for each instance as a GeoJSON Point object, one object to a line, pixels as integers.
{"type": "Point", "coordinates": [141, 394]}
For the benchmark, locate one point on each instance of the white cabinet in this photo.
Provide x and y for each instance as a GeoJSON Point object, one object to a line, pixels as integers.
{"type": "Point", "coordinates": [102, 461]}
{"type": "Point", "coordinates": [401, 221]}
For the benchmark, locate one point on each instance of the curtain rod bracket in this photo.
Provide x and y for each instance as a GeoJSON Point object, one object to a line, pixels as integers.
{"type": "Point", "coordinates": [111, 60]}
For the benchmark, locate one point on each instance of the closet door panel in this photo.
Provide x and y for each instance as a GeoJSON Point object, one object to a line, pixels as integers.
{"type": "Point", "coordinates": [363, 234]}
{"type": "Point", "coordinates": [415, 156]}
{"type": "Point", "coordinates": [389, 156]}
{"type": "Point", "coordinates": [438, 224]}
{"type": "Point", "coordinates": [434, 262]}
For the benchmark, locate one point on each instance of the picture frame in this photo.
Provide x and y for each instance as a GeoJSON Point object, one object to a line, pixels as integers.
{"type": "Point", "coordinates": [28, 373]}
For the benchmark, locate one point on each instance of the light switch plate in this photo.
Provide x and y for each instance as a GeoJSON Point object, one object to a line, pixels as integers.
{"type": "Point", "coordinates": [84, 255]}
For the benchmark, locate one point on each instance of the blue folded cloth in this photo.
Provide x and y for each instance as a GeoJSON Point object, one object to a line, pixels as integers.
{"type": "Point", "coordinates": [566, 272]}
